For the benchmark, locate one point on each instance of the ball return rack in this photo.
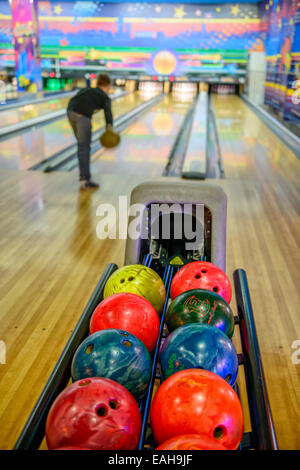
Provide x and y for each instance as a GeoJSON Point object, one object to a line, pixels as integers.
{"type": "Point", "coordinates": [166, 256]}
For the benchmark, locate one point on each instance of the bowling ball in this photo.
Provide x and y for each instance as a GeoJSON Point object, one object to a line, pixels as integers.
{"type": "Point", "coordinates": [140, 280]}
{"type": "Point", "coordinates": [128, 312]}
{"type": "Point", "coordinates": [200, 306]}
{"type": "Point", "coordinates": [191, 442]}
{"type": "Point", "coordinates": [201, 275]}
{"type": "Point", "coordinates": [94, 413]}
{"type": "Point", "coordinates": [109, 139]}
{"type": "Point", "coordinates": [195, 401]}
{"type": "Point", "coordinates": [117, 355]}
{"type": "Point", "coordinates": [71, 448]}
{"type": "Point", "coordinates": [199, 346]}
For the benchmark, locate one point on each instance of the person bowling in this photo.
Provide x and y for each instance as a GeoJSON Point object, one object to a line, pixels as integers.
{"type": "Point", "coordinates": [80, 110]}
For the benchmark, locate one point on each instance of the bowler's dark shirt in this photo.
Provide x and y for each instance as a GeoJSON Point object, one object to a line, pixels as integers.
{"type": "Point", "coordinates": [88, 100]}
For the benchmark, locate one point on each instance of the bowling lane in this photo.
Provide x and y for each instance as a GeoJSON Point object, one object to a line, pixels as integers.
{"type": "Point", "coordinates": [30, 111]}
{"type": "Point", "coordinates": [249, 148]}
{"type": "Point", "coordinates": [145, 146]}
{"type": "Point", "coordinates": [39, 143]}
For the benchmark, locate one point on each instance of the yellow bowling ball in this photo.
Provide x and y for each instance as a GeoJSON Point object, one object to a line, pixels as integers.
{"type": "Point", "coordinates": [140, 280]}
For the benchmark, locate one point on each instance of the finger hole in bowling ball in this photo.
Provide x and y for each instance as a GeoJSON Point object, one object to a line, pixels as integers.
{"type": "Point", "coordinates": [219, 432]}
{"type": "Point", "coordinates": [101, 410]}
{"type": "Point", "coordinates": [89, 349]}
{"type": "Point", "coordinates": [130, 278]}
{"type": "Point", "coordinates": [127, 343]}
{"type": "Point", "coordinates": [215, 289]}
{"type": "Point", "coordinates": [113, 404]}
{"type": "Point", "coordinates": [83, 383]}
{"type": "Point", "coordinates": [123, 334]}
{"type": "Point", "coordinates": [203, 271]}
{"type": "Point", "coordinates": [228, 377]}
{"type": "Point", "coordinates": [198, 276]}
{"type": "Point", "coordinates": [121, 281]}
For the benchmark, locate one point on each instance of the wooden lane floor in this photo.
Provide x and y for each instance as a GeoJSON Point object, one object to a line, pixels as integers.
{"type": "Point", "coordinates": [39, 143]}
{"type": "Point", "coordinates": [249, 148]}
{"type": "Point", "coordinates": [263, 227]}
{"type": "Point", "coordinates": [51, 260]}
{"type": "Point", "coordinates": [145, 145]}
{"type": "Point", "coordinates": [33, 110]}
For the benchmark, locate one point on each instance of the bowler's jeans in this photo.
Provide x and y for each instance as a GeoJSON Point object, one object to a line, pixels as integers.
{"type": "Point", "coordinates": [82, 128]}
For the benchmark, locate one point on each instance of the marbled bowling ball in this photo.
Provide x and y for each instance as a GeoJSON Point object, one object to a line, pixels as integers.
{"type": "Point", "coordinates": [195, 401]}
{"type": "Point", "coordinates": [191, 442]}
{"type": "Point", "coordinates": [94, 413]}
{"type": "Point", "coordinates": [138, 279]}
{"type": "Point", "coordinates": [199, 346]}
{"type": "Point", "coordinates": [201, 275]}
{"type": "Point", "coordinates": [117, 355]}
{"type": "Point", "coordinates": [200, 306]}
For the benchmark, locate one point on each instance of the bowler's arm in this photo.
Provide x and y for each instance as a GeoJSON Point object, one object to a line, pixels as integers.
{"type": "Point", "coordinates": [108, 114]}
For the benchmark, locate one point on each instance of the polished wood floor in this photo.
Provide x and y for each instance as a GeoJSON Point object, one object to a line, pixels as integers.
{"type": "Point", "coordinates": [249, 148]}
{"type": "Point", "coordinates": [51, 259]}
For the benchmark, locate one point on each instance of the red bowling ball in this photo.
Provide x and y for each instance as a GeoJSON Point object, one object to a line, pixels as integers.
{"type": "Point", "coordinates": [129, 312]}
{"type": "Point", "coordinates": [191, 442]}
{"type": "Point", "coordinates": [196, 401]}
{"type": "Point", "coordinates": [94, 413]}
{"type": "Point", "coordinates": [71, 448]}
{"type": "Point", "coordinates": [201, 275]}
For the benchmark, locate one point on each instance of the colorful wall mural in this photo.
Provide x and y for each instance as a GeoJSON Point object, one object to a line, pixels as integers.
{"type": "Point", "coordinates": [7, 53]}
{"type": "Point", "coordinates": [160, 38]}
{"type": "Point", "coordinates": [281, 21]}
{"type": "Point", "coordinates": [170, 39]}
{"type": "Point", "coordinates": [26, 44]}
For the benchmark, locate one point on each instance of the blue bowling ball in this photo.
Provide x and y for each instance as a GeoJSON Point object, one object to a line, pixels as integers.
{"type": "Point", "coordinates": [117, 355]}
{"type": "Point", "coordinates": [199, 346]}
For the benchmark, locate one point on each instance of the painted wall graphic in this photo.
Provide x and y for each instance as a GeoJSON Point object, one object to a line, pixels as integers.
{"type": "Point", "coordinates": [26, 44]}
{"type": "Point", "coordinates": [281, 21]}
{"type": "Point", "coordinates": [7, 54]}
{"type": "Point", "coordinates": [171, 38]}
{"type": "Point", "coordinates": [128, 36]}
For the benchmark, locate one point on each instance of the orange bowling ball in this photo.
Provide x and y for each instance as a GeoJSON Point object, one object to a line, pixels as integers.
{"type": "Point", "coordinates": [197, 401]}
{"type": "Point", "coordinates": [191, 442]}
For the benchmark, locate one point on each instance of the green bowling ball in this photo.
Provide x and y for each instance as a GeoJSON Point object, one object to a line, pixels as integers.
{"type": "Point", "coordinates": [200, 306]}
